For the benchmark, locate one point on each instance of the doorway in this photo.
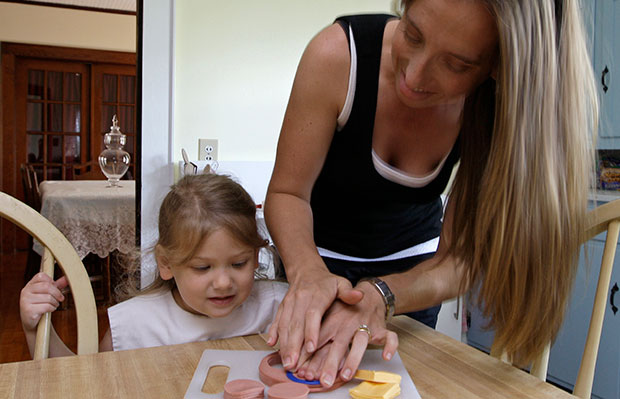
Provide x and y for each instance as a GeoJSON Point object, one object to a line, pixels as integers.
{"type": "Point", "coordinates": [57, 103]}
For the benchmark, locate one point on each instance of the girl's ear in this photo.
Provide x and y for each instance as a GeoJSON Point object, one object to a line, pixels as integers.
{"type": "Point", "coordinates": [164, 268]}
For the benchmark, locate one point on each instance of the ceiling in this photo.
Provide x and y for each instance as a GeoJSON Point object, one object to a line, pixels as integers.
{"type": "Point", "coordinates": [116, 5]}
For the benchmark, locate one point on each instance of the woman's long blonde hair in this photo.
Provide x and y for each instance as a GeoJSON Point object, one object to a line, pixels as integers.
{"type": "Point", "coordinates": [526, 168]}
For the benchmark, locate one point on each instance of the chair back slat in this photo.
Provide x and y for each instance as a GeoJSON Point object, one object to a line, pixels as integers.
{"type": "Point", "coordinates": [585, 377]}
{"type": "Point", "coordinates": [67, 258]}
{"type": "Point", "coordinates": [30, 185]}
{"type": "Point", "coordinates": [602, 218]}
{"type": "Point", "coordinates": [42, 343]}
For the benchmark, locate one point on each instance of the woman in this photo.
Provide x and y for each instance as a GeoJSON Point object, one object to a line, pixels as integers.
{"type": "Point", "coordinates": [504, 85]}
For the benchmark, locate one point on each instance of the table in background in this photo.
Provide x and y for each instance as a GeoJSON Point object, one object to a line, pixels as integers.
{"type": "Point", "coordinates": [95, 218]}
{"type": "Point", "coordinates": [440, 367]}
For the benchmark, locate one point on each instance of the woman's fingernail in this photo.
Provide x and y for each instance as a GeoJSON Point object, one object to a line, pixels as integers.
{"type": "Point", "coordinates": [310, 347]}
{"type": "Point", "coordinates": [287, 362]}
{"type": "Point", "coordinates": [300, 373]}
{"type": "Point", "coordinates": [327, 380]}
{"type": "Point", "coordinates": [346, 374]}
{"type": "Point", "coordinates": [388, 356]}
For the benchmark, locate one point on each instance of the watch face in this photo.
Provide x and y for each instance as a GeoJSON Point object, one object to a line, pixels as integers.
{"type": "Point", "coordinates": [387, 293]}
{"type": "Point", "coordinates": [388, 297]}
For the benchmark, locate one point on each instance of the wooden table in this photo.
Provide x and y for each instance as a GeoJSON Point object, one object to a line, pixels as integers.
{"type": "Point", "coordinates": [95, 218]}
{"type": "Point", "coordinates": [439, 366]}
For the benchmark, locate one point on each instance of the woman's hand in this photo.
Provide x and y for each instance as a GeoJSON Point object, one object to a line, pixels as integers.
{"type": "Point", "coordinates": [311, 368]}
{"type": "Point", "coordinates": [343, 326]}
{"type": "Point", "coordinates": [41, 295]}
{"type": "Point", "coordinates": [299, 316]}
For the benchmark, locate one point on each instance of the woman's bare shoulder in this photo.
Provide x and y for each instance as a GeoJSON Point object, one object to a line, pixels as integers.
{"type": "Point", "coordinates": [323, 72]}
{"type": "Point", "coordinates": [329, 48]}
{"type": "Point", "coordinates": [331, 41]}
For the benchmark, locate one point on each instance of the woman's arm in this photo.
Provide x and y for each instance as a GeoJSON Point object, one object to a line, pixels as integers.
{"type": "Point", "coordinates": [432, 281]}
{"type": "Point", "coordinates": [423, 286]}
{"type": "Point", "coordinates": [318, 93]}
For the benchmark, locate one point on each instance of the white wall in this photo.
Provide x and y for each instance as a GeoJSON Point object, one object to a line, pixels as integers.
{"type": "Point", "coordinates": [234, 67]}
{"type": "Point", "coordinates": [25, 23]}
{"type": "Point", "coordinates": [220, 70]}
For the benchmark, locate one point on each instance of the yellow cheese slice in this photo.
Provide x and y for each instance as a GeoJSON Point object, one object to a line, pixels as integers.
{"type": "Point", "coordinates": [374, 390]}
{"type": "Point", "coordinates": [377, 376]}
{"type": "Point", "coordinates": [396, 394]}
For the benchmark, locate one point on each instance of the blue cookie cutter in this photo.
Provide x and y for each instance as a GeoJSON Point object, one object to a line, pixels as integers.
{"type": "Point", "coordinates": [292, 377]}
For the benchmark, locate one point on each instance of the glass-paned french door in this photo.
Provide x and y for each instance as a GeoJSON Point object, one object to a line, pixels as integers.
{"type": "Point", "coordinates": [55, 119]}
{"type": "Point", "coordinates": [66, 109]}
{"type": "Point", "coordinates": [117, 97]}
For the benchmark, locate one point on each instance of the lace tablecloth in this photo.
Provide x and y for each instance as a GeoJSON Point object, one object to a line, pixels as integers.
{"type": "Point", "coordinates": [94, 218]}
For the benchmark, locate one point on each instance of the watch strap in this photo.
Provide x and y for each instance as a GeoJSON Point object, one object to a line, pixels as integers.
{"type": "Point", "coordinates": [387, 295]}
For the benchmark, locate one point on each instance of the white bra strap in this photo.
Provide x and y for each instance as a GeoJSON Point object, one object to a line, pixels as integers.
{"type": "Point", "coordinates": [348, 103]}
{"type": "Point", "coordinates": [395, 175]}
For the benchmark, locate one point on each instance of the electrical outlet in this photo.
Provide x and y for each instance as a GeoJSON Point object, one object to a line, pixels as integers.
{"type": "Point", "coordinates": [207, 149]}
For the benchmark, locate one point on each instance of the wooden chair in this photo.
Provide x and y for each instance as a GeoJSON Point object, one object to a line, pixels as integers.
{"type": "Point", "coordinates": [30, 184]}
{"type": "Point", "coordinates": [32, 197]}
{"type": "Point", "coordinates": [57, 249]}
{"type": "Point", "coordinates": [88, 171]}
{"type": "Point", "coordinates": [603, 218]}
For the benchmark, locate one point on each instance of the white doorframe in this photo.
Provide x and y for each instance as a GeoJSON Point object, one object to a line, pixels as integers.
{"type": "Point", "coordinates": [157, 116]}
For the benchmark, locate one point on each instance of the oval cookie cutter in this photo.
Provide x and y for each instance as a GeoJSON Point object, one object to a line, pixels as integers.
{"type": "Point", "coordinates": [271, 375]}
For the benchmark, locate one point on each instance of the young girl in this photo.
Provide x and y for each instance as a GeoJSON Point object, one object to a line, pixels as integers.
{"type": "Point", "coordinates": [207, 257]}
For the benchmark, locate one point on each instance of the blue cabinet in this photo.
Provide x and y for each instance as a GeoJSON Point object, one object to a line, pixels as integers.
{"type": "Point", "coordinates": [606, 59]}
{"type": "Point", "coordinates": [602, 21]}
{"type": "Point", "coordinates": [567, 349]}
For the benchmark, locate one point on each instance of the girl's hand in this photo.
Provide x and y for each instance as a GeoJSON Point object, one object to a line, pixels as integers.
{"type": "Point", "coordinates": [341, 327]}
{"type": "Point", "coordinates": [39, 296]}
{"type": "Point", "coordinates": [311, 367]}
{"type": "Point", "coordinates": [299, 316]}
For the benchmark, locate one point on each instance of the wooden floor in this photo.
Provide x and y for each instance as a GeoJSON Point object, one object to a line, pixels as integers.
{"type": "Point", "coordinates": [13, 347]}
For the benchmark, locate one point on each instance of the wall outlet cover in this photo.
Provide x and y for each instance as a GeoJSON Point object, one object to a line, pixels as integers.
{"type": "Point", "coordinates": [207, 149]}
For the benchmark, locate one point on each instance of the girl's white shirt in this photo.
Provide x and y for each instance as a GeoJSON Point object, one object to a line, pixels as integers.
{"type": "Point", "coordinates": [156, 319]}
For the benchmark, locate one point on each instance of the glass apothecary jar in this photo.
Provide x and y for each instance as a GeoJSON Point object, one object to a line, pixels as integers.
{"type": "Point", "coordinates": [114, 160]}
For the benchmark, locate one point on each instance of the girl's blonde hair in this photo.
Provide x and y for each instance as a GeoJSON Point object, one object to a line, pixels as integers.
{"type": "Point", "coordinates": [195, 207]}
{"type": "Point", "coordinates": [526, 168]}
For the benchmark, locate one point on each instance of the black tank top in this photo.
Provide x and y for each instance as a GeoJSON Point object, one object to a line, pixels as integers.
{"type": "Point", "coordinates": [356, 211]}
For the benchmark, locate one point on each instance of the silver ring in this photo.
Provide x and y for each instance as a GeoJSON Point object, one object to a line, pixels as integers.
{"type": "Point", "coordinates": [364, 328]}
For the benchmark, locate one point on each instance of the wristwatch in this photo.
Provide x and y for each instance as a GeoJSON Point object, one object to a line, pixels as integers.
{"type": "Point", "coordinates": [386, 294]}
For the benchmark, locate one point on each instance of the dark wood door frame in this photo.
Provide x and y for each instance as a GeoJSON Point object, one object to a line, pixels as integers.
{"type": "Point", "coordinates": [10, 53]}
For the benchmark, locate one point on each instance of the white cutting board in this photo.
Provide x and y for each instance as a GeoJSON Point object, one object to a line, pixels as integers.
{"type": "Point", "coordinates": [244, 364]}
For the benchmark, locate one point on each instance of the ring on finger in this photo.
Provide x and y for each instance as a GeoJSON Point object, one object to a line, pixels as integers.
{"type": "Point", "coordinates": [364, 328]}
